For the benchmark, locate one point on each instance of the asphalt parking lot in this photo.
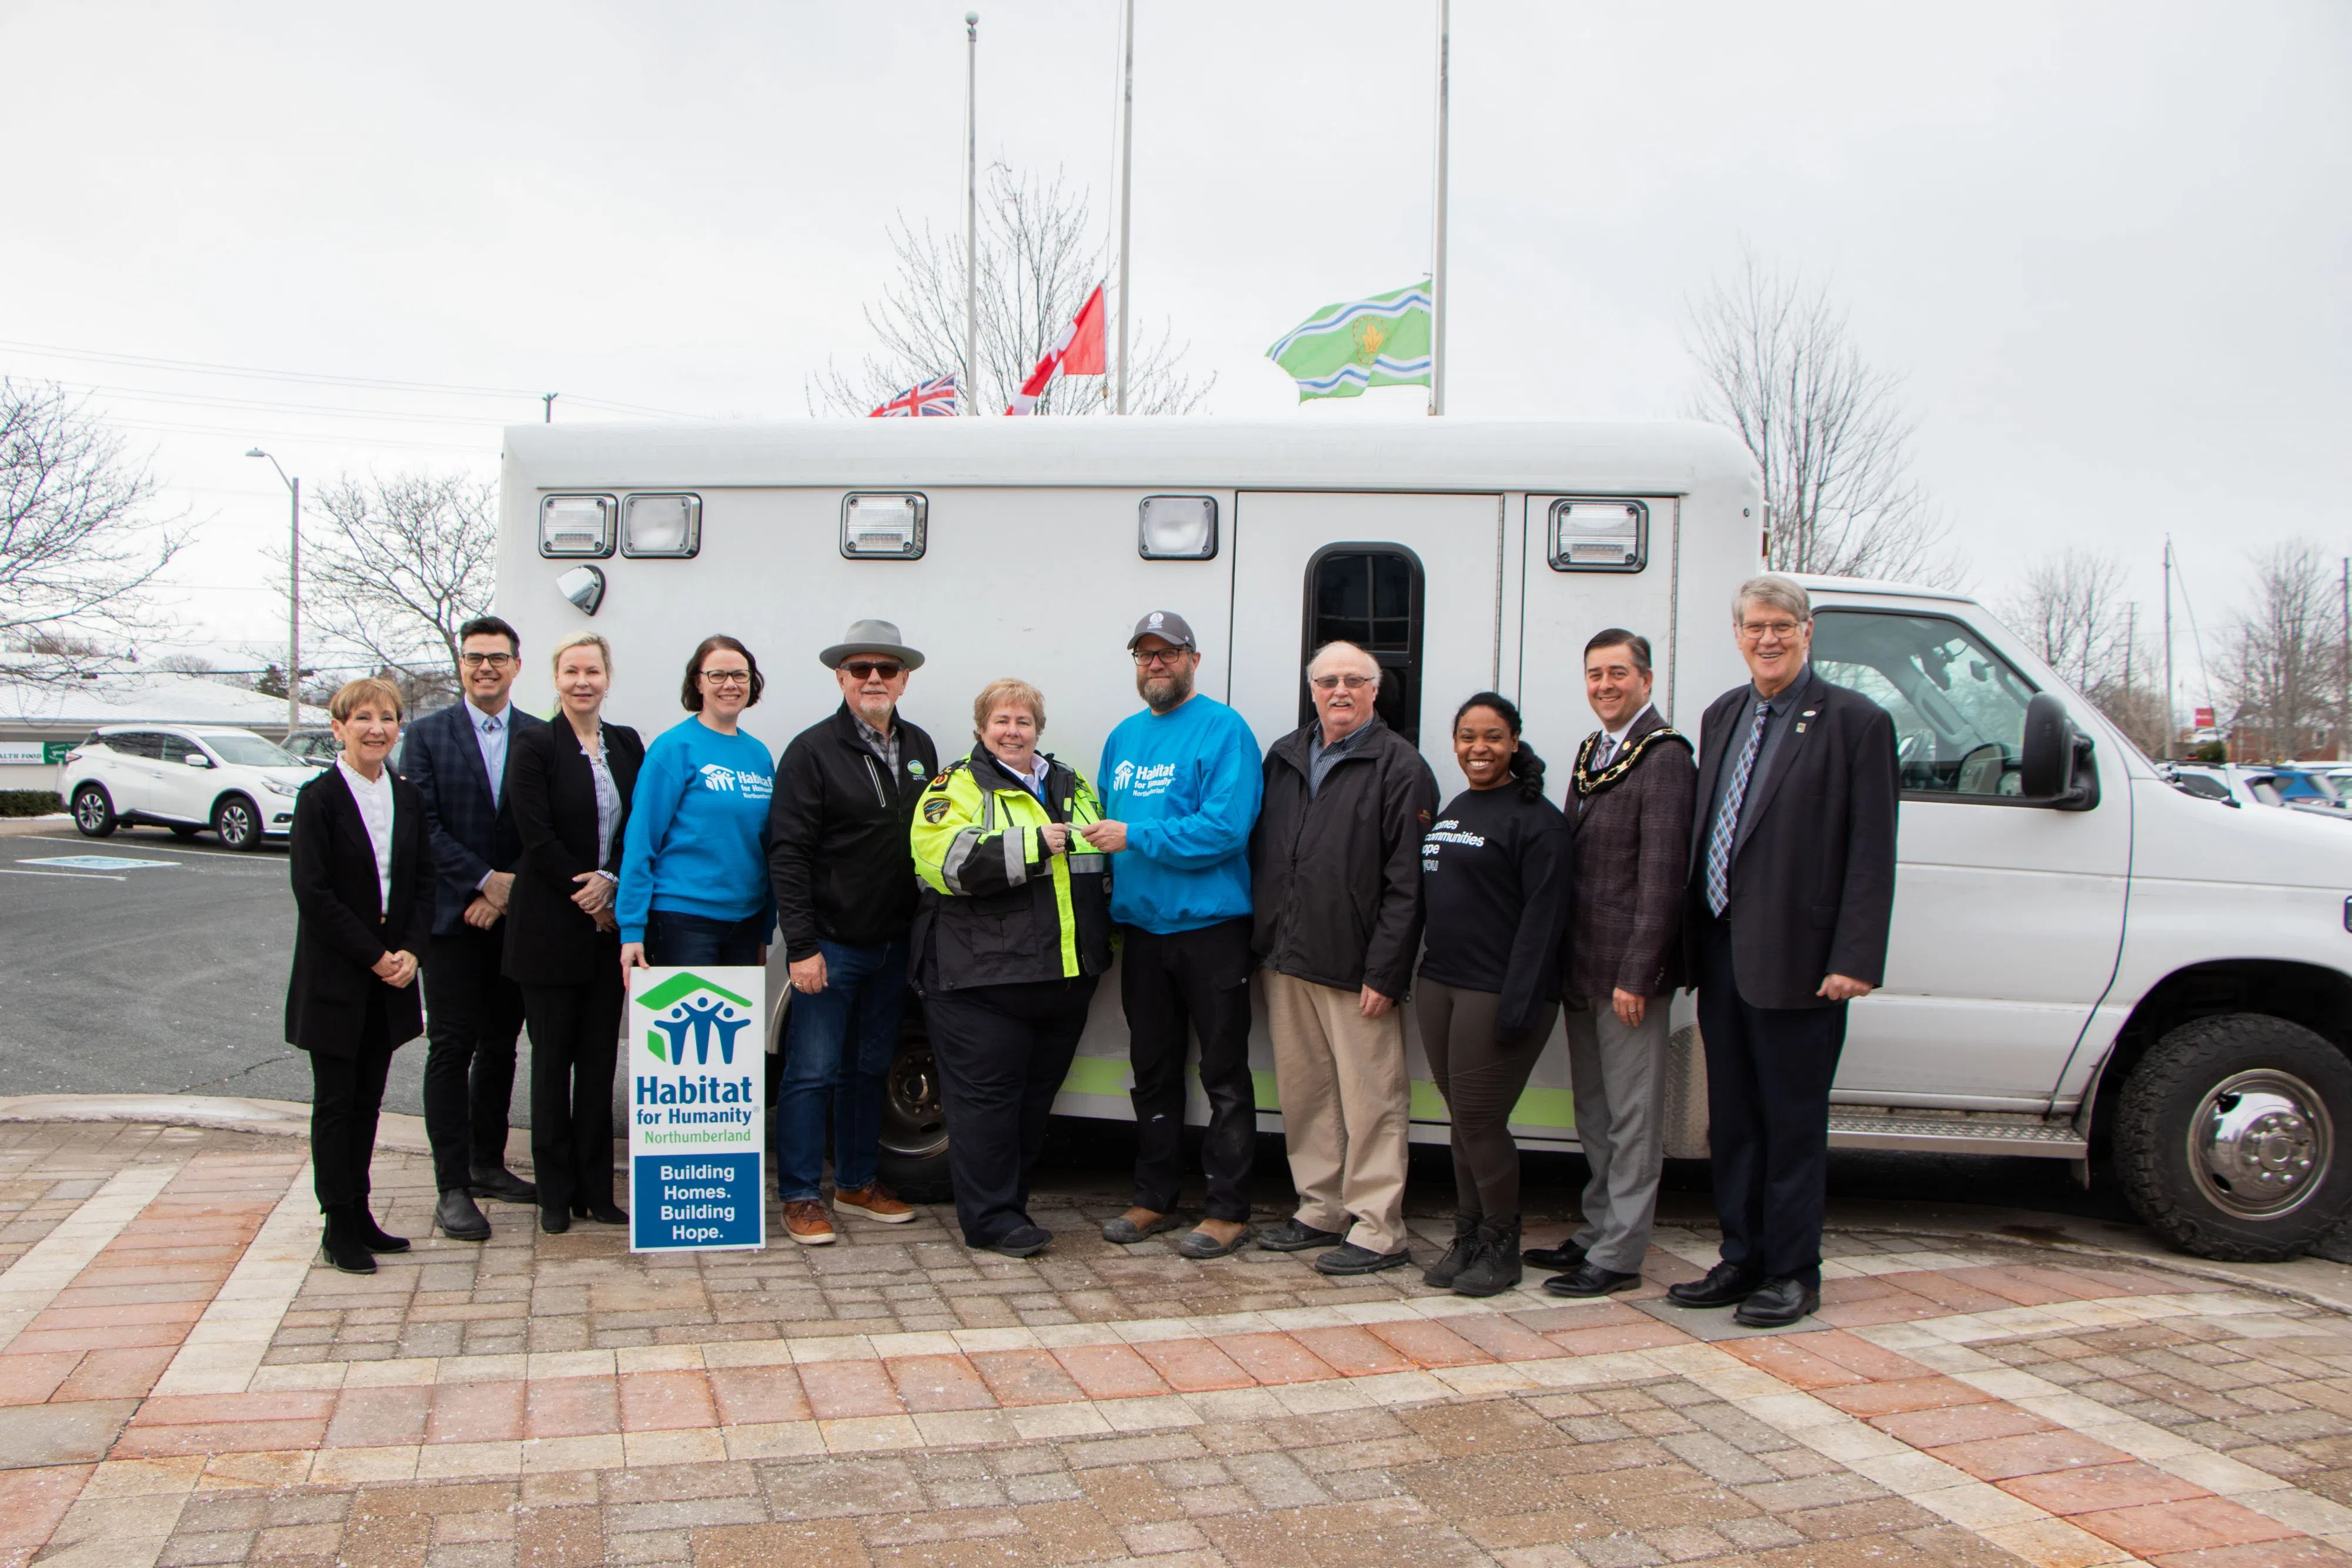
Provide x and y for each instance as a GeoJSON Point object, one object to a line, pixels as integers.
{"type": "Point", "coordinates": [169, 976]}
{"type": "Point", "coordinates": [164, 977]}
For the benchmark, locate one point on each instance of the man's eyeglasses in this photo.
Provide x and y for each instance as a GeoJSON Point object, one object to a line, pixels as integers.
{"type": "Point", "coordinates": [1757, 630]}
{"type": "Point", "coordinates": [1331, 683]}
{"type": "Point", "coordinates": [1171, 657]}
{"type": "Point", "coordinates": [727, 678]}
{"type": "Point", "coordinates": [486, 661]}
{"type": "Point", "coordinates": [867, 669]}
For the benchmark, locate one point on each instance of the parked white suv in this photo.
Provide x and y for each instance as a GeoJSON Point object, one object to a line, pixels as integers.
{"type": "Point", "coordinates": [184, 778]}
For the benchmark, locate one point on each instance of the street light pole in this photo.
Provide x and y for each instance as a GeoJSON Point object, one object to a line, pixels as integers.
{"type": "Point", "coordinates": [1126, 180]}
{"type": "Point", "coordinates": [293, 598]}
{"type": "Point", "coordinates": [972, 212]}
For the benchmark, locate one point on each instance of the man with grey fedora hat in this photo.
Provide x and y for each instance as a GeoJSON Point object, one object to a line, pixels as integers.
{"type": "Point", "coordinates": [845, 898]}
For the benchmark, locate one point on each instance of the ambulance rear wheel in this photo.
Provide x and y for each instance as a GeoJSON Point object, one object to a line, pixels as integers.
{"type": "Point", "coordinates": [913, 1160]}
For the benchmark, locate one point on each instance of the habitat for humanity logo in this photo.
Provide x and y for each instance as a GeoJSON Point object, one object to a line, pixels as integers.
{"type": "Point", "coordinates": [735, 781]}
{"type": "Point", "coordinates": [692, 1013]}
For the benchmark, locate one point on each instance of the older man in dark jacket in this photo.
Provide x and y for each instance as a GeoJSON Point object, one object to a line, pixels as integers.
{"type": "Point", "coordinates": [1792, 883]}
{"type": "Point", "coordinates": [1334, 867]}
{"type": "Point", "coordinates": [1630, 802]}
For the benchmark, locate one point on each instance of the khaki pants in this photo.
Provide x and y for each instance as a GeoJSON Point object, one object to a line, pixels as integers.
{"type": "Point", "coordinates": [1340, 1079]}
{"type": "Point", "coordinates": [1619, 1074]}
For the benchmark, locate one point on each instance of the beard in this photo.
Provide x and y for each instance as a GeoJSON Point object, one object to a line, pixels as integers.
{"type": "Point", "coordinates": [1161, 693]}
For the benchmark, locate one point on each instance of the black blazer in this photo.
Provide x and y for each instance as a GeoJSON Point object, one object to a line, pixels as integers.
{"type": "Point", "coordinates": [473, 834]}
{"type": "Point", "coordinates": [1813, 883]}
{"type": "Point", "coordinates": [343, 928]}
{"type": "Point", "coordinates": [552, 792]}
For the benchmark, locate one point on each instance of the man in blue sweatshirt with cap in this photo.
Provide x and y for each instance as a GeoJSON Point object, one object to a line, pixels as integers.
{"type": "Point", "coordinates": [1179, 784]}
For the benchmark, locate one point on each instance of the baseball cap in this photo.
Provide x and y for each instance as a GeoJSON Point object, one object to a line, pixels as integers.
{"type": "Point", "coordinates": [1167, 625]}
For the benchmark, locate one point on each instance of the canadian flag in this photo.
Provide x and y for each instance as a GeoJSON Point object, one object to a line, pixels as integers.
{"type": "Point", "coordinates": [1079, 352]}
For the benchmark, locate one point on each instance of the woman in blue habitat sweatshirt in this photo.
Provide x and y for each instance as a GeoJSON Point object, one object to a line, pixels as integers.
{"type": "Point", "coordinates": [694, 864]}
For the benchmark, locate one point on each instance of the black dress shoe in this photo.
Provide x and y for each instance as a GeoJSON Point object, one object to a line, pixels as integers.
{"type": "Point", "coordinates": [503, 1184]}
{"type": "Point", "coordinates": [1565, 1256]}
{"type": "Point", "coordinates": [1291, 1235]}
{"type": "Point", "coordinates": [1022, 1241]}
{"type": "Point", "coordinates": [554, 1220]}
{"type": "Point", "coordinates": [1726, 1285]}
{"type": "Point", "coordinates": [1588, 1279]}
{"type": "Point", "coordinates": [459, 1218]}
{"type": "Point", "coordinates": [375, 1237]}
{"type": "Point", "coordinates": [603, 1211]}
{"type": "Point", "coordinates": [1777, 1304]}
{"type": "Point", "coordinates": [1349, 1259]}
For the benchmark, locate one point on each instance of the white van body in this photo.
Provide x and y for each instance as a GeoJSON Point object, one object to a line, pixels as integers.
{"type": "Point", "coordinates": [2033, 943]}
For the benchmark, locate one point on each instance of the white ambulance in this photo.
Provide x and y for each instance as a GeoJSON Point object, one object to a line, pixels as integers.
{"type": "Point", "coordinates": [2080, 950]}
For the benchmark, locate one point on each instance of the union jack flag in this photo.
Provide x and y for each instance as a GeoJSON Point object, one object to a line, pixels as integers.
{"type": "Point", "coordinates": [921, 402]}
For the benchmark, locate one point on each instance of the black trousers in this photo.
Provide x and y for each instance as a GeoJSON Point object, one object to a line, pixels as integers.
{"type": "Point", "coordinates": [574, 1032]}
{"type": "Point", "coordinates": [473, 1013]}
{"type": "Point", "coordinates": [1002, 1052]}
{"type": "Point", "coordinates": [1172, 986]}
{"type": "Point", "coordinates": [1767, 1106]}
{"type": "Point", "coordinates": [346, 1096]}
{"type": "Point", "coordinates": [1481, 1072]}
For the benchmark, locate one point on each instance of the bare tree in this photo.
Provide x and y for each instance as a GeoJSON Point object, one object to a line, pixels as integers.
{"type": "Point", "coordinates": [2284, 669]}
{"type": "Point", "coordinates": [1777, 364]}
{"type": "Point", "coordinates": [2071, 609]}
{"type": "Point", "coordinates": [401, 562]}
{"type": "Point", "coordinates": [79, 553]}
{"type": "Point", "coordinates": [1039, 259]}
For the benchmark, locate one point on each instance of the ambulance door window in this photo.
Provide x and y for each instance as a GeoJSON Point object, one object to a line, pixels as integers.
{"type": "Point", "coordinates": [1370, 595]}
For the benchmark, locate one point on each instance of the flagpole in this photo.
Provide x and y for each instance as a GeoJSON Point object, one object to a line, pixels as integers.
{"type": "Point", "coordinates": [972, 212]}
{"type": "Point", "coordinates": [1438, 301]}
{"type": "Point", "coordinates": [1126, 177]}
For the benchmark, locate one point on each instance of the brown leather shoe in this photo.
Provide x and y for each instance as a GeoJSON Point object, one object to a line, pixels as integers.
{"type": "Point", "coordinates": [806, 1222]}
{"type": "Point", "coordinates": [874, 1201]}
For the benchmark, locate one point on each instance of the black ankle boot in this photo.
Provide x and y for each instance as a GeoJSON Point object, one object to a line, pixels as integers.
{"type": "Point", "coordinates": [1441, 1272]}
{"type": "Point", "coordinates": [1496, 1267]}
{"type": "Point", "coordinates": [374, 1236]}
{"type": "Point", "coordinates": [343, 1244]}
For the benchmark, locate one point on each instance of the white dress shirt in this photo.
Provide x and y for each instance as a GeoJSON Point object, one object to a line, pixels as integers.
{"type": "Point", "coordinates": [374, 799]}
{"type": "Point", "coordinates": [608, 801]}
{"type": "Point", "coordinates": [1613, 741]}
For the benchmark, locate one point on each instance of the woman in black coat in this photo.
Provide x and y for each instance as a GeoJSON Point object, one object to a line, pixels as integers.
{"type": "Point", "coordinates": [362, 882]}
{"type": "Point", "coordinates": [570, 781]}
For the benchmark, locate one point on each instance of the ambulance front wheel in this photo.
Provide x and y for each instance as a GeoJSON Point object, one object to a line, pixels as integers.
{"type": "Point", "coordinates": [914, 1128]}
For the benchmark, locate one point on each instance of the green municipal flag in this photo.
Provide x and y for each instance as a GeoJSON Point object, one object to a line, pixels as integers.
{"type": "Point", "coordinates": [1340, 350]}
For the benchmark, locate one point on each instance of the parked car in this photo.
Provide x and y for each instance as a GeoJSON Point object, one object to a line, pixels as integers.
{"type": "Point", "coordinates": [184, 777]}
{"type": "Point", "coordinates": [2207, 781]}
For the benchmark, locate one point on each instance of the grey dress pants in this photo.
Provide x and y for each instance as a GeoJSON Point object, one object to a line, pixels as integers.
{"type": "Point", "coordinates": [1618, 1074]}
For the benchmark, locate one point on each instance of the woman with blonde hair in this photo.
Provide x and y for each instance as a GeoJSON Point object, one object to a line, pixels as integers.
{"type": "Point", "coordinates": [571, 779]}
{"type": "Point", "coordinates": [1012, 935]}
{"type": "Point", "coordinates": [363, 880]}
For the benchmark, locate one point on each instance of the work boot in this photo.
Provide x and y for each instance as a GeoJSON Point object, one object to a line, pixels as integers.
{"type": "Point", "coordinates": [459, 1218]}
{"type": "Point", "coordinates": [1441, 1273]}
{"type": "Point", "coordinates": [1495, 1268]}
{"type": "Point", "coordinates": [497, 1181]}
{"type": "Point", "coordinates": [342, 1244]}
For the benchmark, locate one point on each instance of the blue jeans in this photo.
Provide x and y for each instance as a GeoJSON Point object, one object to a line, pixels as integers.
{"type": "Point", "coordinates": [838, 1042]}
{"type": "Point", "coordinates": [674, 937]}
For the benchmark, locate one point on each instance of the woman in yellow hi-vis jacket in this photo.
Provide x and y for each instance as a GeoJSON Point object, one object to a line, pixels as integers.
{"type": "Point", "coordinates": [1014, 931]}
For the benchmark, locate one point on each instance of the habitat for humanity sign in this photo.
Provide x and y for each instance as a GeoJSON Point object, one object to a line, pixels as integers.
{"type": "Point", "coordinates": [694, 1063]}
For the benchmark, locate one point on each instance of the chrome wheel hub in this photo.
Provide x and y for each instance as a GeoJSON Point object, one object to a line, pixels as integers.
{"type": "Point", "coordinates": [912, 1120]}
{"type": "Point", "coordinates": [2258, 1144]}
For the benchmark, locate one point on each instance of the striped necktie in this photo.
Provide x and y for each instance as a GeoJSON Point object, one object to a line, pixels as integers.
{"type": "Point", "coordinates": [1725, 832]}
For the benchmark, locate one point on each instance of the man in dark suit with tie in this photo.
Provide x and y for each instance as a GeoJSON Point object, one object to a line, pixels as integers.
{"type": "Point", "coordinates": [458, 759]}
{"type": "Point", "coordinates": [1791, 887]}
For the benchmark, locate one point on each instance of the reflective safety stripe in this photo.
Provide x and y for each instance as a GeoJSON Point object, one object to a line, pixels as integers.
{"type": "Point", "coordinates": [1016, 863]}
{"type": "Point", "coordinates": [1087, 865]}
{"type": "Point", "coordinates": [959, 852]}
{"type": "Point", "coordinates": [987, 809]}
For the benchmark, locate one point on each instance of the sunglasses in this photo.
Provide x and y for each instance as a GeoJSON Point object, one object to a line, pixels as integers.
{"type": "Point", "coordinates": [866, 669]}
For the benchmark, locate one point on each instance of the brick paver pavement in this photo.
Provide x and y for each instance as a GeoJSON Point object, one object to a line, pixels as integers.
{"type": "Point", "coordinates": [183, 1385]}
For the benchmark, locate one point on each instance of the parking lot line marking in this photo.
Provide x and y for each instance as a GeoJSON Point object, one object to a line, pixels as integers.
{"type": "Point", "coordinates": [82, 875]}
{"type": "Point", "coordinates": [147, 847]}
{"type": "Point", "coordinates": [97, 863]}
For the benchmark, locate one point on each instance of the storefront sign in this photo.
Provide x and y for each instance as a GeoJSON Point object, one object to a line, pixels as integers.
{"type": "Point", "coordinates": [692, 1068]}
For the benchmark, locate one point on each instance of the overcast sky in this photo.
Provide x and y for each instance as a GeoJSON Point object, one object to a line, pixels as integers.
{"type": "Point", "coordinates": [2108, 244]}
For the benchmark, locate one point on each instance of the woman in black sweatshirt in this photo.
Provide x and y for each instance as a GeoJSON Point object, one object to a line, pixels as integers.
{"type": "Point", "coordinates": [1495, 885]}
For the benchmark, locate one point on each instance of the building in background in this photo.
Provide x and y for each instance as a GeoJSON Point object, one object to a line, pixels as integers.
{"type": "Point", "coordinates": [40, 721]}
